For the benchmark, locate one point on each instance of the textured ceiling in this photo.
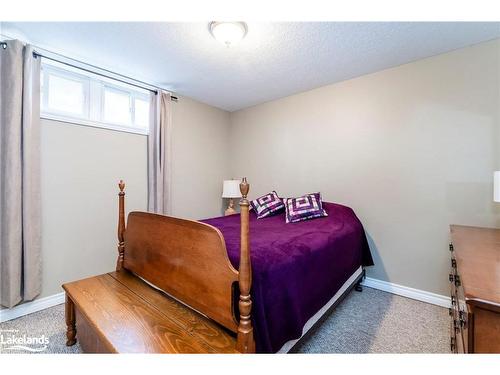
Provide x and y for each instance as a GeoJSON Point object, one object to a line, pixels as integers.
{"type": "Point", "coordinates": [273, 61]}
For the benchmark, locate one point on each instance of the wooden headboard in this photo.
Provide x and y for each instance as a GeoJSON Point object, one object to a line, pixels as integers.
{"type": "Point", "coordinates": [188, 260]}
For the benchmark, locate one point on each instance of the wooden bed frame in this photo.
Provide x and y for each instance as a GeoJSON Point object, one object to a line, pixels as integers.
{"type": "Point", "coordinates": [188, 260]}
{"type": "Point", "coordinates": [173, 280]}
{"type": "Point", "coordinates": [183, 258]}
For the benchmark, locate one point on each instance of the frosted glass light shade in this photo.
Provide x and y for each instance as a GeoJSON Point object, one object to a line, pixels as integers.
{"type": "Point", "coordinates": [231, 189]}
{"type": "Point", "coordinates": [228, 33]}
{"type": "Point", "coordinates": [496, 186]}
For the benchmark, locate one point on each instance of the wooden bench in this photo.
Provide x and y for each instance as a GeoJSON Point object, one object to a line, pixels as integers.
{"type": "Point", "coordinates": [190, 309]}
{"type": "Point", "coordinates": [119, 313]}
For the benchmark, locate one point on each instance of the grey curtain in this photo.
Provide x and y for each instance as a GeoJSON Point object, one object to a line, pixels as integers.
{"type": "Point", "coordinates": [20, 263]}
{"type": "Point", "coordinates": [159, 154]}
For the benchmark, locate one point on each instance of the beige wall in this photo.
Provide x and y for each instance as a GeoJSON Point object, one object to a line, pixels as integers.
{"type": "Point", "coordinates": [81, 166]}
{"type": "Point", "coordinates": [200, 159]}
{"type": "Point", "coordinates": [80, 169]}
{"type": "Point", "coordinates": [411, 149]}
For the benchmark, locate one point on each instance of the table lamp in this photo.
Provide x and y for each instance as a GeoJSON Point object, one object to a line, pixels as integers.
{"type": "Point", "coordinates": [496, 186]}
{"type": "Point", "coordinates": [231, 189]}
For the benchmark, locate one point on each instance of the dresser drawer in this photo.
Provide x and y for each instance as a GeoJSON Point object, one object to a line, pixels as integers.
{"type": "Point", "coordinates": [454, 279]}
{"type": "Point", "coordinates": [453, 338]}
{"type": "Point", "coordinates": [457, 343]}
{"type": "Point", "coordinates": [459, 315]}
{"type": "Point", "coordinates": [464, 315]}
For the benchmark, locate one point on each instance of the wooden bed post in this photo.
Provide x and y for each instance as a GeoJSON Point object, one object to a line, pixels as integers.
{"type": "Point", "coordinates": [245, 341]}
{"type": "Point", "coordinates": [121, 225]}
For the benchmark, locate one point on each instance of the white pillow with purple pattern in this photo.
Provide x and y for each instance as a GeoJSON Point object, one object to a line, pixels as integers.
{"type": "Point", "coordinates": [267, 205]}
{"type": "Point", "coordinates": [307, 207]}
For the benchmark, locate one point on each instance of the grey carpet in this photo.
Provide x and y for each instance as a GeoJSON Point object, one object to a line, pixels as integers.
{"type": "Point", "coordinates": [367, 322]}
{"type": "Point", "coordinates": [377, 322]}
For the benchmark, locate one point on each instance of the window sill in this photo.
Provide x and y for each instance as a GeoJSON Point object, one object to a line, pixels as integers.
{"type": "Point", "coordinates": [93, 124]}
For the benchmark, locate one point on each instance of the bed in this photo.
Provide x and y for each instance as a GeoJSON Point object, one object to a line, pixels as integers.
{"type": "Point", "coordinates": [297, 268]}
{"type": "Point", "coordinates": [258, 285]}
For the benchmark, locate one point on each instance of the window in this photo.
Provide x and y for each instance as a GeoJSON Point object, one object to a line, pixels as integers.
{"type": "Point", "coordinates": [117, 106]}
{"type": "Point", "coordinates": [69, 95]}
{"type": "Point", "coordinates": [141, 112]}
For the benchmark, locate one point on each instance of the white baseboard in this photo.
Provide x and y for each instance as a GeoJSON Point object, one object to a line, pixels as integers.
{"type": "Point", "coordinates": [417, 294]}
{"type": "Point", "coordinates": [31, 307]}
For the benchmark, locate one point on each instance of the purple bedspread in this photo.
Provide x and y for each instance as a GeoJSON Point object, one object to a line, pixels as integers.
{"type": "Point", "coordinates": [296, 268]}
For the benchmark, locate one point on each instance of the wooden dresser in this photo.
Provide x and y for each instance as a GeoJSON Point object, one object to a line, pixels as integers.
{"type": "Point", "coordinates": [475, 290]}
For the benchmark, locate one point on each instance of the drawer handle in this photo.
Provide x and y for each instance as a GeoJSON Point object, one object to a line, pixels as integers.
{"type": "Point", "coordinates": [463, 320]}
{"type": "Point", "coordinates": [451, 247]}
{"type": "Point", "coordinates": [454, 278]}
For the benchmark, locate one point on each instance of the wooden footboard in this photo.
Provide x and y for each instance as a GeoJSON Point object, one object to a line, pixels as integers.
{"type": "Point", "coordinates": [188, 260]}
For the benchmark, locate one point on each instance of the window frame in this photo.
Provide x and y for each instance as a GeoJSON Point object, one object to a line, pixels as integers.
{"type": "Point", "coordinates": [93, 100]}
{"type": "Point", "coordinates": [146, 98]}
{"type": "Point", "coordinates": [70, 76]}
{"type": "Point", "coordinates": [111, 88]}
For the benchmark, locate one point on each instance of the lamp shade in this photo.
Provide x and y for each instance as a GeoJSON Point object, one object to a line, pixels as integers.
{"type": "Point", "coordinates": [231, 189]}
{"type": "Point", "coordinates": [496, 186]}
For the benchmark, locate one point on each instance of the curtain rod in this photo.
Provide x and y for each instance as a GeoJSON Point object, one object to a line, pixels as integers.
{"type": "Point", "coordinates": [38, 54]}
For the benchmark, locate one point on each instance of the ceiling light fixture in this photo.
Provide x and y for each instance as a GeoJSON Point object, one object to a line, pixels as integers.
{"type": "Point", "coordinates": [228, 33]}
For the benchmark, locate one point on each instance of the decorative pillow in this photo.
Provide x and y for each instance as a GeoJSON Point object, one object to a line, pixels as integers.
{"type": "Point", "coordinates": [267, 205]}
{"type": "Point", "coordinates": [307, 207]}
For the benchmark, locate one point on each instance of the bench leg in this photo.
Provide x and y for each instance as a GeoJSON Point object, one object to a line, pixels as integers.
{"type": "Point", "coordinates": [70, 322]}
